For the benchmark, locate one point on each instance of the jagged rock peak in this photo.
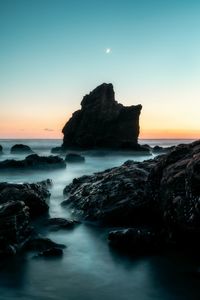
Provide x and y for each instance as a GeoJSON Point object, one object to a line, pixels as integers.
{"type": "Point", "coordinates": [103, 94]}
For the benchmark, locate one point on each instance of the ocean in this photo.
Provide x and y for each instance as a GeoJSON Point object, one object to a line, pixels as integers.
{"type": "Point", "coordinates": [90, 269]}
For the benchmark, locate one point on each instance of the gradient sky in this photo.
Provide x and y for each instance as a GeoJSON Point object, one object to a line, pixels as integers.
{"type": "Point", "coordinates": [53, 52]}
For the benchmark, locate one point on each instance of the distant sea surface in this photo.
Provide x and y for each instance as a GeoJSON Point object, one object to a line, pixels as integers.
{"type": "Point", "coordinates": [89, 269]}
{"type": "Point", "coordinates": [46, 144]}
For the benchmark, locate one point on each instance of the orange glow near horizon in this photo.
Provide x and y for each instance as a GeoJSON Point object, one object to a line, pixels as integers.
{"type": "Point", "coordinates": [38, 122]}
{"type": "Point", "coordinates": [169, 134]}
{"type": "Point", "coordinates": [58, 135]}
{"type": "Point", "coordinates": [31, 129]}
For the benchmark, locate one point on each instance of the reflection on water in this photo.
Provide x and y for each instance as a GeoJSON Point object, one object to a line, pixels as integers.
{"type": "Point", "coordinates": [90, 269]}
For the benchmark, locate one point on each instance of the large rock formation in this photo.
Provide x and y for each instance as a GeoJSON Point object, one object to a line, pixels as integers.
{"type": "Point", "coordinates": [102, 122]}
{"type": "Point", "coordinates": [164, 191]}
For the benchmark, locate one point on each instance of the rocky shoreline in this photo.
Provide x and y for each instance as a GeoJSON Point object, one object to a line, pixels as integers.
{"type": "Point", "coordinates": [160, 195]}
{"type": "Point", "coordinates": [149, 205]}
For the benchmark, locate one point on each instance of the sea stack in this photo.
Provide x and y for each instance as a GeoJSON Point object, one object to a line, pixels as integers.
{"type": "Point", "coordinates": [102, 122]}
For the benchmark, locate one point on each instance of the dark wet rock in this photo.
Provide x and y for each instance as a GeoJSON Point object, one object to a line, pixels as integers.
{"type": "Point", "coordinates": [20, 148]}
{"type": "Point", "coordinates": [52, 252]}
{"type": "Point", "coordinates": [15, 227]}
{"type": "Point", "coordinates": [34, 161]}
{"type": "Point", "coordinates": [165, 190]}
{"type": "Point", "coordinates": [140, 150]}
{"type": "Point", "coordinates": [157, 148]}
{"type": "Point", "coordinates": [138, 240]}
{"type": "Point", "coordinates": [46, 184]}
{"type": "Point", "coordinates": [175, 183]}
{"type": "Point", "coordinates": [1, 150]}
{"type": "Point", "coordinates": [146, 146]}
{"type": "Point", "coordinates": [45, 161]}
{"type": "Point", "coordinates": [74, 158]}
{"type": "Point", "coordinates": [57, 150]}
{"type": "Point", "coordinates": [41, 244]}
{"type": "Point", "coordinates": [60, 223]}
{"type": "Point", "coordinates": [116, 196]}
{"type": "Point", "coordinates": [103, 123]}
{"type": "Point", "coordinates": [35, 195]}
{"type": "Point", "coordinates": [194, 274]}
{"type": "Point", "coordinates": [19, 202]}
{"type": "Point", "coordinates": [162, 150]}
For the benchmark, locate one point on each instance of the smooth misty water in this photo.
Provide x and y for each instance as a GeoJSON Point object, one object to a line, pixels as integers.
{"type": "Point", "coordinates": [89, 269]}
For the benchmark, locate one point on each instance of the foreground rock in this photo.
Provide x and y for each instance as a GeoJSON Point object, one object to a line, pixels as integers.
{"type": "Point", "coordinates": [15, 227]}
{"type": "Point", "coordinates": [35, 196]}
{"type": "Point", "coordinates": [140, 240]}
{"type": "Point", "coordinates": [74, 158]}
{"type": "Point", "coordinates": [103, 122]}
{"type": "Point", "coordinates": [34, 161]}
{"type": "Point", "coordinates": [18, 204]}
{"type": "Point", "coordinates": [174, 184]}
{"type": "Point", "coordinates": [21, 149]}
{"type": "Point", "coordinates": [164, 191]}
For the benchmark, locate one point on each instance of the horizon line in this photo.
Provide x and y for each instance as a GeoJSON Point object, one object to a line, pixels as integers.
{"type": "Point", "coordinates": [178, 138]}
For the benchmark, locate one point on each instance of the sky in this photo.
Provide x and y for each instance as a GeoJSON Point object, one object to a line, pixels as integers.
{"type": "Point", "coordinates": [53, 52]}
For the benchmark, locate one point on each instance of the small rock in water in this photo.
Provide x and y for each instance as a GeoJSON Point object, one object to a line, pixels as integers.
{"type": "Point", "coordinates": [74, 158]}
{"type": "Point", "coordinates": [1, 150]}
{"type": "Point", "coordinates": [52, 252]}
{"type": "Point", "coordinates": [61, 223]}
{"type": "Point", "coordinates": [20, 148]}
{"type": "Point", "coordinates": [57, 150]}
{"type": "Point", "coordinates": [41, 244]}
{"type": "Point", "coordinates": [34, 161]}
